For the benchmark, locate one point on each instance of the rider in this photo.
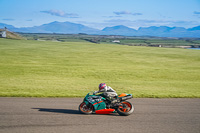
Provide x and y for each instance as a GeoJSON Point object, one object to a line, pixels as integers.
{"type": "Point", "coordinates": [108, 92]}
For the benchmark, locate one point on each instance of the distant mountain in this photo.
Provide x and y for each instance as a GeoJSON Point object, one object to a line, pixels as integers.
{"type": "Point", "coordinates": [194, 28]}
{"type": "Point", "coordinates": [2, 25]}
{"type": "Point", "coordinates": [73, 28]}
{"type": "Point", "coordinates": [57, 27]}
{"type": "Point", "coordinates": [164, 31]}
{"type": "Point", "coordinates": [153, 30]}
{"type": "Point", "coordinates": [119, 30]}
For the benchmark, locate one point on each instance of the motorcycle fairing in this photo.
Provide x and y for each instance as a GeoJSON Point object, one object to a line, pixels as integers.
{"type": "Point", "coordinates": [105, 111]}
{"type": "Point", "coordinates": [122, 95]}
{"type": "Point", "coordinates": [97, 102]}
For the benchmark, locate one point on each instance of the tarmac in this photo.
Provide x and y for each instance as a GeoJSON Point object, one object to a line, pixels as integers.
{"type": "Point", "coordinates": [61, 115]}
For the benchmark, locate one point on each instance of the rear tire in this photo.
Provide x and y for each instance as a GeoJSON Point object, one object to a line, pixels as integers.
{"type": "Point", "coordinates": [125, 109]}
{"type": "Point", "coordinates": [85, 109]}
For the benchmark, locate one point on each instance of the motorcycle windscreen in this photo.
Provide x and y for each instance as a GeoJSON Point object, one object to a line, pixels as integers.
{"type": "Point", "coordinates": [104, 111]}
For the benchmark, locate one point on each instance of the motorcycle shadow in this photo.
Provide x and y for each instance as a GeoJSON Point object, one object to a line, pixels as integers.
{"type": "Point", "coordinates": [68, 111]}
{"type": "Point", "coordinates": [65, 111]}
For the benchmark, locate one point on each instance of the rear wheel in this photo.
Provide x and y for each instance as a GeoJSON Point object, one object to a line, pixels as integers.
{"type": "Point", "coordinates": [85, 109]}
{"type": "Point", "coordinates": [125, 108]}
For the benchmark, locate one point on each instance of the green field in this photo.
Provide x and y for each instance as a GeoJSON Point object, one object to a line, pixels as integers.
{"type": "Point", "coordinates": [71, 69]}
{"type": "Point", "coordinates": [123, 40]}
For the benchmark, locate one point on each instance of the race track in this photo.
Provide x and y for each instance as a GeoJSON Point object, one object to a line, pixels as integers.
{"type": "Point", "coordinates": [61, 115]}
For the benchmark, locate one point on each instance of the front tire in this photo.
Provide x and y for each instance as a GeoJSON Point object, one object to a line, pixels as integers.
{"type": "Point", "coordinates": [125, 108]}
{"type": "Point", "coordinates": [85, 109]}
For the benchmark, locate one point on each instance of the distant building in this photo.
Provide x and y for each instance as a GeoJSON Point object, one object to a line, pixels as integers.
{"type": "Point", "coordinates": [116, 41]}
{"type": "Point", "coordinates": [3, 33]}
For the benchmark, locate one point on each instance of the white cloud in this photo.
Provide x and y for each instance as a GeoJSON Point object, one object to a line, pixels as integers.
{"type": "Point", "coordinates": [61, 13]}
{"type": "Point", "coordinates": [8, 19]}
{"type": "Point", "coordinates": [126, 13]}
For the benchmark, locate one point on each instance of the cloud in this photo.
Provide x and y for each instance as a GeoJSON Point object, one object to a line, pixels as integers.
{"type": "Point", "coordinates": [8, 19]}
{"type": "Point", "coordinates": [196, 12]}
{"type": "Point", "coordinates": [112, 16]}
{"type": "Point", "coordinates": [61, 13]}
{"type": "Point", "coordinates": [126, 13]}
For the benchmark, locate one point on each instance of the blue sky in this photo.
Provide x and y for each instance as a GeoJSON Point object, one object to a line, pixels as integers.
{"type": "Point", "coordinates": [102, 13]}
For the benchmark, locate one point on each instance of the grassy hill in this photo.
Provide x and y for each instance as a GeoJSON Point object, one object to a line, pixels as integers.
{"type": "Point", "coordinates": [71, 69]}
{"type": "Point", "coordinates": [12, 35]}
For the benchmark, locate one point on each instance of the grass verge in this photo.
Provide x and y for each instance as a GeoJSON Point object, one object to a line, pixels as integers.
{"type": "Point", "coordinates": [71, 69]}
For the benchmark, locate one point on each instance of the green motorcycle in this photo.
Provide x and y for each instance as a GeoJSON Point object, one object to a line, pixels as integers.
{"type": "Point", "coordinates": [100, 105]}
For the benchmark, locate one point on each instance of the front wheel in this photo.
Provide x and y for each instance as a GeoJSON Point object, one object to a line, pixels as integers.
{"type": "Point", "coordinates": [85, 109]}
{"type": "Point", "coordinates": [125, 108]}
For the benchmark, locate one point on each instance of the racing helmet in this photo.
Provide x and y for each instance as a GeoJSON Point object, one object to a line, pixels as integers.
{"type": "Point", "coordinates": [102, 85]}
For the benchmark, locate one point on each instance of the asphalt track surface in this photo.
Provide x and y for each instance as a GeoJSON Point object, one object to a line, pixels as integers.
{"type": "Point", "coordinates": [61, 115]}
